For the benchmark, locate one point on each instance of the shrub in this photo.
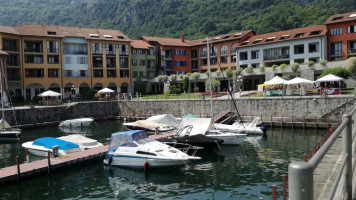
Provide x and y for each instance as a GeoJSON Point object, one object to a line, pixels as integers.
{"type": "Point", "coordinates": [229, 73]}
{"type": "Point", "coordinates": [294, 67]}
{"type": "Point", "coordinates": [173, 77]}
{"type": "Point", "coordinates": [160, 78]}
{"type": "Point", "coordinates": [338, 71]}
{"type": "Point", "coordinates": [282, 66]}
{"type": "Point", "coordinates": [181, 76]}
{"type": "Point", "coordinates": [249, 69]}
{"type": "Point", "coordinates": [323, 62]}
{"type": "Point", "coordinates": [188, 74]}
{"type": "Point", "coordinates": [175, 89]}
{"type": "Point", "coordinates": [261, 68]}
{"type": "Point", "coordinates": [215, 84]}
{"type": "Point", "coordinates": [239, 70]}
{"type": "Point", "coordinates": [310, 63]}
{"type": "Point", "coordinates": [195, 76]}
{"type": "Point", "coordinates": [207, 73]}
{"type": "Point", "coordinates": [167, 92]}
{"type": "Point", "coordinates": [351, 64]}
{"type": "Point", "coordinates": [186, 84]}
{"type": "Point", "coordinates": [218, 72]}
{"type": "Point", "coordinates": [274, 67]}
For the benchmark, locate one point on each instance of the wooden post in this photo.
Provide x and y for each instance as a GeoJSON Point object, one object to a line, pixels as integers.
{"type": "Point", "coordinates": [274, 192]}
{"type": "Point", "coordinates": [27, 156]}
{"type": "Point", "coordinates": [310, 154]}
{"type": "Point", "coordinates": [49, 161]}
{"type": "Point", "coordinates": [284, 187]}
{"type": "Point", "coordinates": [305, 157]}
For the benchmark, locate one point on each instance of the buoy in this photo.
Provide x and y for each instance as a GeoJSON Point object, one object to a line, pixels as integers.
{"type": "Point", "coordinates": [145, 166]}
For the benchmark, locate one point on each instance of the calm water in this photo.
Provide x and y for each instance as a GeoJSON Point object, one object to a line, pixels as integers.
{"type": "Point", "coordinates": [243, 172]}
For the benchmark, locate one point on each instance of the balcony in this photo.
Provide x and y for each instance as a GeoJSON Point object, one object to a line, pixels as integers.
{"type": "Point", "coordinates": [336, 53]}
{"type": "Point", "coordinates": [166, 57]}
{"type": "Point", "coordinates": [276, 57]}
{"type": "Point", "coordinates": [124, 53]}
{"type": "Point", "coordinates": [33, 50]}
{"type": "Point", "coordinates": [12, 63]}
{"type": "Point", "coordinates": [74, 52]}
{"type": "Point", "coordinates": [97, 52]}
{"type": "Point", "coordinates": [52, 50]}
{"type": "Point", "coordinates": [351, 51]}
{"type": "Point", "coordinates": [10, 48]}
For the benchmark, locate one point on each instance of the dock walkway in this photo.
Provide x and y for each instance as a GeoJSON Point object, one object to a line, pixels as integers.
{"type": "Point", "coordinates": [31, 169]}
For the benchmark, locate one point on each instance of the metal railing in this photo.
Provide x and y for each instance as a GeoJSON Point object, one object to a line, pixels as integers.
{"type": "Point", "coordinates": [300, 183]}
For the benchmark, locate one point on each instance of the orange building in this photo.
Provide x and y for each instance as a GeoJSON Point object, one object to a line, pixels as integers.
{"type": "Point", "coordinates": [342, 36]}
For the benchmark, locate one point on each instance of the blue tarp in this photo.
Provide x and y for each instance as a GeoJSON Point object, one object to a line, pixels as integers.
{"type": "Point", "coordinates": [189, 116]}
{"type": "Point", "coordinates": [49, 142]}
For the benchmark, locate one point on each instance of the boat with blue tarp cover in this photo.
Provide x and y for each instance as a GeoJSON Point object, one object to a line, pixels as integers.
{"type": "Point", "coordinates": [41, 146]}
{"type": "Point", "coordinates": [134, 149]}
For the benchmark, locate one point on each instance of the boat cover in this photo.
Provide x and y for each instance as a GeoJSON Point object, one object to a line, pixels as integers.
{"type": "Point", "coordinates": [125, 137]}
{"type": "Point", "coordinates": [189, 116]}
{"type": "Point", "coordinates": [200, 125]}
{"type": "Point", "coordinates": [147, 124]}
{"type": "Point", "coordinates": [49, 142]}
{"type": "Point", "coordinates": [165, 119]}
{"type": "Point", "coordinates": [6, 125]}
{"type": "Point", "coordinates": [79, 139]}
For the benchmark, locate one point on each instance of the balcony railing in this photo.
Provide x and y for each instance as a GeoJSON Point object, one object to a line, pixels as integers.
{"type": "Point", "coordinates": [111, 65]}
{"type": "Point", "coordinates": [277, 57]}
{"type": "Point", "coordinates": [167, 57]}
{"type": "Point", "coordinates": [13, 78]}
{"type": "Point", "coordinates": [124, 53]}
{"type": "Point", "coordinates": [336, 53]}
{"type": "Point", "coordinates": [11, 63]}
{"type": "Point", "coordinates": [124, 66]}
{"type": "Point", "coordinates": [74, 52]}
{"type": "Point", "coordinates": [34, 50]}
{"type": "Point", "coordinates": [76, 73]}
{"type": "Point", "coordinates": [97, 51]}
{"type": "Point", "coordinates": [10, 48]}
{"type": "Point", "coordinates": [110, 52]}
{"type": "Point", "coordinates": [351, 50]}
{"type": "Point", "coordinates": [98, 65]}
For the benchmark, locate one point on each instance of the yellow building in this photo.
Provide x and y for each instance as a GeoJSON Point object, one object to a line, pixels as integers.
{"type": "Point", "coordinates": [65, 59]}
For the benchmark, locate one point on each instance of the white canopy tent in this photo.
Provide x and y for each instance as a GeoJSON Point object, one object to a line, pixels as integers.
{"type": "Point", "coordinates": [298, 80]}
{"type": "Point", "coordinates": [329, 78]}
{"type": "Point", "coordinates": [274, 81]}
{"type": "Point", "coordinates": [49, 93]}
{"type": "Point", "coordinates": [106, 90]}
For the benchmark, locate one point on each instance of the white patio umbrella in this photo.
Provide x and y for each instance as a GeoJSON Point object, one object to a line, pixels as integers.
{"type": "Point", "coordinates": [298, 80]}
{"type": "Point", "coordinates": [328, 78]}
{"type": "Point", "coordinates": [274, 81]}
{"type": "Point", "coordinates": [106, 90]}
{"type": "Point", "coordinates": [49, 93]}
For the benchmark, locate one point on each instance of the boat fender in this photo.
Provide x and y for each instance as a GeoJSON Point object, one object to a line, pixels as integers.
{"type": "Point", "coordinates": [110, 160]}
{"type": "Point", "coordinates": [145, 166]}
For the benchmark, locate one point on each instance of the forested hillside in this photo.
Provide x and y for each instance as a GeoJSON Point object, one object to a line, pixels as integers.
{"type": "Point", "coordinates": [196, 18]}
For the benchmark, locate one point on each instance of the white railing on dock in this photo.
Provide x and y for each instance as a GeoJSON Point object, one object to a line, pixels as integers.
{"type": "Point", "coordinates": [300, 174]}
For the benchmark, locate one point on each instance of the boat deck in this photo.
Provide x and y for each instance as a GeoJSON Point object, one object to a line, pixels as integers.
{"type": "Point", "coordinates": [32, 169]}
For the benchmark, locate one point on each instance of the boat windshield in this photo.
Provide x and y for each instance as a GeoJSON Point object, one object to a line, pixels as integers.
{"type": "Point", "coordinates": [144, 141]}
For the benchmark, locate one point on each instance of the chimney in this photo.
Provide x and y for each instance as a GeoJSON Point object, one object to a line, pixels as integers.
{"type": "Point", "coordinates": [182, 37]}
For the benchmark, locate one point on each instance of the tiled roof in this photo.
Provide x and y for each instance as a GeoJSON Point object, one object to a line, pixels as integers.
{"type": "Point", "coordinates": [67, 31]}
{"type": "Point", "coordinates": [293, 34]}
{"type": "Point", "coordinates": [8, 29]}
{"type": "Point", "coordinates": [350, 16]}
{"type": "Point", "coordinates": [140, 44]}
{"type": "Point", "coordinates": [222, 38]}
{"type": "Point", "coordinates": [167, 41]}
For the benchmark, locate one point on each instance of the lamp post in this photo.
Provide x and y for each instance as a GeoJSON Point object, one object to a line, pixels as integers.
{"type": "Point", "coordinates": [239, 82]}
{"type": "Point", "coordinates": [72, 89]}
{"type": "Point", "coordinates": [167, 86]}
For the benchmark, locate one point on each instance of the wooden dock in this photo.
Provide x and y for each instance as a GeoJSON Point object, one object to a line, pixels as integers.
{"type": "Point", "coordinates": [40, 167]}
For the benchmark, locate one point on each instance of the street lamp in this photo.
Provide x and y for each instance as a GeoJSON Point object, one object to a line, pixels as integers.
{"type": "Point", "coordinates": [239, 81]}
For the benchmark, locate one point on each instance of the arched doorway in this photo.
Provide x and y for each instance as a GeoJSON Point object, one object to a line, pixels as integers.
{"type": "Point", "coordinates": [112, 86]}
{"type": "Point", "coordinates": [124, 88]}
{"type": "Point", "coordinates": [98, 86]}
{"type": "Point", "coordinates": [55, 87]}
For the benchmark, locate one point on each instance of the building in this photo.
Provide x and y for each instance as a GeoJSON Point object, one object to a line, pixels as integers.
{"type": "Point", "coordinates": [342, 36]}
{"type": "Point", "coordinates": [65, 59]}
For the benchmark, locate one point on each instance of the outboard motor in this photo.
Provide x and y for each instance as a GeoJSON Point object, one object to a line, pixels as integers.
{"type": "Point", "coordinates": [55, 151]}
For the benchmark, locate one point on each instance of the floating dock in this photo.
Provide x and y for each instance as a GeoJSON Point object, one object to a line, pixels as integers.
{"type": "Point", "coordinates": [23, 171]}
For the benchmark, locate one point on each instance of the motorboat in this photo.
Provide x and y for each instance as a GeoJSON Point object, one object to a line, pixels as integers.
{"type": "Point", "coordinates": [149, 126]}
{"type": "Point", "coordinates": [237, 127]}
{"type": "Point", "coordinates": [135, 150]}
{"type": "Point", "coordinates": [83, 142]}
{"type": "Point", "coordinates": [185, 136]}
{"type": "Point", "coordinates": [56, 147]}
{"type": "Point", "coordinates": [8, 133]}
{"type": "Point", "coordinates": [168, 119]}
{"type": "Point", "coordinates": [77, 122]}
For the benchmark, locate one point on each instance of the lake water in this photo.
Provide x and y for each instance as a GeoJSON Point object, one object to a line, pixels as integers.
{"type": "Point", "coordinates": [243, 172]}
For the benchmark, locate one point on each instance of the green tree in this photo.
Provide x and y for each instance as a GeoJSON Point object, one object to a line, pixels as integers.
{"type": "Point", "coordinates": [186, 84]}
{"type": "Point", "coordinates": [338, 71]}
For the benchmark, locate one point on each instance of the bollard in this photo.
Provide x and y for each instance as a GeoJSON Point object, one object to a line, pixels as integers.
{"type": "Point", "coordinates": [300, 181]}
{"type": "Point", "coordinates": [347, 149]}
{"type": "Point", "coordinates": [27, 156]}
{"type": "Point", "coordinates": [284, 187]}
{"type": "Point", "coordinates": [260, 198]}
{"type": "Point", "coordinates": [305, 157]}
{"type": "Point", "coordinates": [18, 168]}
{"type": "Point", "coordinates": [274, 192]}
{"type": "Point", "coordinates": [314, 148]}
{"type": "Point", "coordinates": [310, 154]}
{"type": "Point", "coordinates": [318, 145]}
{"type": "Point", "coordinates": [49, 161]}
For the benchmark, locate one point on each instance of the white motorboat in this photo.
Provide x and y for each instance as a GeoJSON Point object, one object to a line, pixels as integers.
{"type": "Point", "coordinates": [134, 149]}
{"type": "Point", "coordinates": [228, 137]}
{"type": "Point", "coordinates": [237, 127]}
{"type": "Point", "coordinates": [41, 146]}
{"type": "Point", "coordinates": [83, 142]}
{"type": "Point", "coordinates": [77, 122]}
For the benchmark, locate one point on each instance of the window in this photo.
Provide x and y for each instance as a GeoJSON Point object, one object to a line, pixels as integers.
{"type": "Point", "coordinates": [183, 52]}
{"type": "Point", "coordinates": [34, 73]}
{"type": "Point", "coordinates": [111, 73]}
{"type": "Point", "coordinates": [97, 48]}
{"type": "Point", "coordinates": [33, 46]}
{"type": "Point", "coordinates": [74, 49]}
{"type": "Point", "coordinates": [51, 33]}
{"type": "Point", "coordinates": [213, 51]}
{"type": "Point", "coordinates": [183, 63]}
{"type": "Point", "coordinates": [194, 53]}
{"type": "Point", "coordinates": [299, 49]}
{"type": "Point", "coordinates": [223, 59]}
{"type": "Point", "coordinates": [124, 63]}
{"type": "Point", "coordinates": [33, 59]}
{"type": "Point", "coordinates": [142, 62]}
{"type": "Point", "coordinates": [243, 55]}
{"type": "Point", "coordinates": [298, 35]}
{"type": "Point", "coordinates": [110, 49]}
{"type": "Point", "coordinates": [254, 54]}
{"type": "Point", "coordinates": [124, 50]}
{"type": "Point", "coordinates": [82, 60]}
{"type": "Point", "coordinates": [68, 73]}
{"type": "Point", "coordinates": [83, 73]}
{"type": "Point", "coordinates": [176, 52]}
{"type": "Point", "coordinates": [107, 36]}
{"type": "Point", "coordinates": [352, 47]}
{"type": "Point", "coordinates": [110, 62]}
{"type": "Point", "coordinates": [299, 61]}
{"type": "Point", "coordinates": [98, 62]}
{"type": "Point", "coordinates": [53, 73]}
{"type": "Point", "coordinates": [233, 48]}
{"type": "Point", "coordinates": [93, 35]}
{"type": "Point", "coordinates": [141, 73]}
{"type": "Point", "coordinates": [134, 62]}
{"type": "Point", "coordinates": [124, 74]}
{"type": "Point", "coordinates": [351, 29]}
{"type": "Point", "coordinates": [203, 53]}
{"type": "Point", "coordinates": [10, 45]}
{"type": "Point", "coordinates": [336, 49]}
{"type": "Point", "coordinates": [336, 31]}
{"type": "Point", "coordinates": [270, 39]}
{"type": "Point", "coordinates": [11, 60]}
{"type": "Point", "coordinates": [315, 32]}
{"type": "Point", "coordinates": [257, 41]}
{"type": "Point", "coordinates": [134, 51]}
{"type": "Point", "coordinates": [98, 73]}
{"type": "Point", "coordinates": [135, 74]}
{"type": "Point", "coordinates": [176, 63]}
{"type": "Point", "coordinates": [52, 46]}
{"type": "Point", "coordinates": [223, 50]}
{"type": "Point", "coordinates": [213, 61]}
{"type": "Point", "coordinates": [313, 47]}
{"type": "Point", "coordinates": [255, 65]}
{"type": "Point", "coordinates": [52, 59]}
{"type": "Point", "coordinates": [244, 43]}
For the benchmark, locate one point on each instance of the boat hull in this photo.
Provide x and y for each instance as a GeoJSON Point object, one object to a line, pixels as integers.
{"type": "Point", "coordinates": [42, 151]}
{"type": "Point", "coordinates": [229, 139]}
{"type": "Point", "coordinates": [199, 140]}
{"type": "Point", "coordinates": [134, 161]}
{"type": "Point", "coordinates": [9, 135]}
{"type": "Point", "coordinates": [77, 122]}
